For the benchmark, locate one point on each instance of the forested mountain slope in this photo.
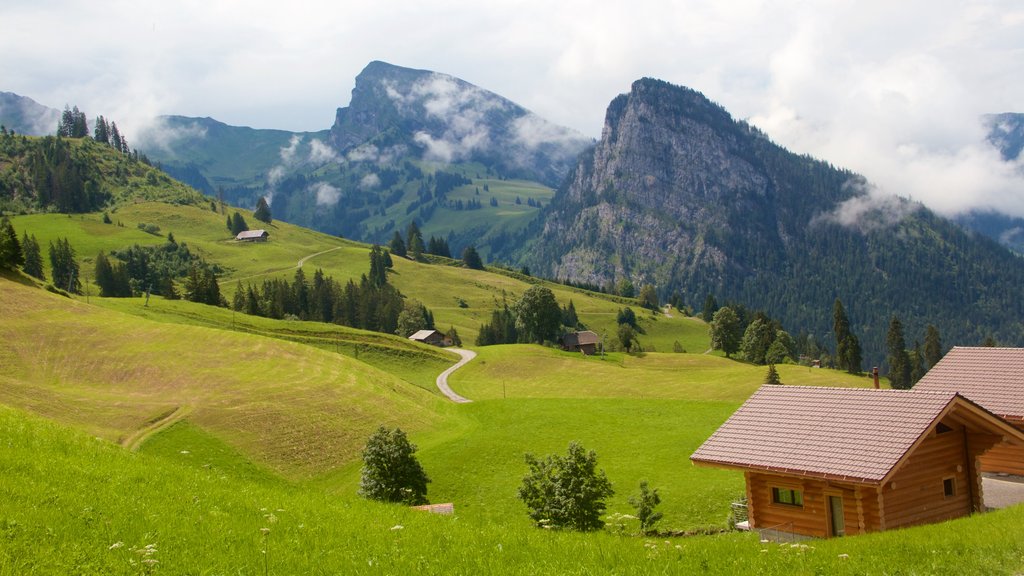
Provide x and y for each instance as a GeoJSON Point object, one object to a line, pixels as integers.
{"type": "Point", "coordinates": [680, 195]}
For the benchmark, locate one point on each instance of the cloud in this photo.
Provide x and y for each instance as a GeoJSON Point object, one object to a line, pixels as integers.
{"type": "Point", "coordinates": [320, 153]}
{"type": "Point", "coordinates": [462, 111]}
{"type": "Point", "coordinates": [326, 195]}
{"type": "Point", "coordinates": [369, 182]}
{"type": "Point", "coordinates": [892, 90]}
{"type": "Point", "coordinates": [289, 152]}
{"type": "Point", "coordinates": [160, 134]}
{"type": "Point", "coordinates": [869, 209]}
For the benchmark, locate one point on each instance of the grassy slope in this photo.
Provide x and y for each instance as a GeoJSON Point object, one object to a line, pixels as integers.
{"type": "Point", "coordinates": [440, 287]}
{"type": "Point", "coordinates": [517, 371]}
{"type": "Point", "coordinates": [294, 408]}
{"type": "Point", "coordinates": [74, 505]}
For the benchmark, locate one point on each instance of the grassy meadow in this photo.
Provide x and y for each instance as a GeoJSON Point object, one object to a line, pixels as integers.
{"type": "Point", "coordinates": [457, 296]}
{"type": "Point", "coordinates": [77, 505]}
{"type": "Point", "coordinates": [218, 443]}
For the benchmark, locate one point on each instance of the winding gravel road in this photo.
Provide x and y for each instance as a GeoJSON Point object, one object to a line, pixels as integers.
{"type": "Point", "coordinates": [442, 380]}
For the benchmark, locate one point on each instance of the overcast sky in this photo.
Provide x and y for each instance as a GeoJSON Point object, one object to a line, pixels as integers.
{"type": "Point", "coordinates": [891, 89]}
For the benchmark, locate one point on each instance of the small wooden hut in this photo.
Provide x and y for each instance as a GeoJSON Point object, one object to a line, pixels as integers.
{"type": "Point", "coordinates": [827, 462]}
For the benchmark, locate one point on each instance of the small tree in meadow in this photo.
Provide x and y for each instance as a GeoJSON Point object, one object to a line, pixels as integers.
{"type": "Point", "coordinates": [566, 491]}
{"type": "Point", "coordinates": [644, 502]}
{"type": "Point", "coordinates": [772, 377]}
{"type": "Point", "coordinates": [391, 472]}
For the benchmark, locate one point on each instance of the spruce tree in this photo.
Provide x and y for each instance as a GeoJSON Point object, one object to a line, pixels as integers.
{"type": "Point", "coordinates": [262, 212]}
{"type": "Point", "coordinates": [11, 255]}
{"type": "Point", "coordinates": [33, 259]}
{"type": "Point", "coordinates": [397, 245]}
{"type": "Point", "coordinates": [710, 307]}
{"type": "Point", "coordinates": [471, 258]}
{"type": "Point", "coordinates": [899, 360]}
{"type": "Point", "coordinates": [64, 266]}
{"type": "Point", "coordinates": [238, 224]}
{"type": "Point", "coordinates": [932, 346]}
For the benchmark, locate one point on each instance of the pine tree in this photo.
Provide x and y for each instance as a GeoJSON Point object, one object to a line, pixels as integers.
{"type": "Point", "coordinates": [262, 212]}
{"type": "Point", "coordinates": [932, 346]}
{"type": "Point", "coordinates": [238, 224]}
{"type": "Point", "coordinates": [415, 241]}
{"type": "Point", "coordinates": [11, 255]}
{"type": "Point", "coordinates": [471, 258]}
{"type": "Point", "coordinates": [64, 266]}
{"type": "Point", "coordinates": [710, 307]}
{"type": "Point", "coordinates": [33, 259]}
{"type": "Point", "coordinates": [397, 245]}
{"type": "Point", "coordinates": [899, 361]}
{"type": "Point", "coordinates": [772, 377]}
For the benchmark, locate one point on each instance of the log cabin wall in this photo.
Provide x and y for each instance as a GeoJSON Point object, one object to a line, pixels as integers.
{"type": "Point", "coordinates": [916, 494]}
{"type": "Point", "coordinates": [1005, 458]}
{"type": "Point", "coordinates": [812, 518]}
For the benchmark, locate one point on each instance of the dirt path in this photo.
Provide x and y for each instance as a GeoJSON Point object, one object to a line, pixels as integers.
{"type": "Point", "coordinates": [298, 265]}
{"type": "Point", "coordinates": [442, 380]}
{"type": "Point", "coordinates": [134, 440]}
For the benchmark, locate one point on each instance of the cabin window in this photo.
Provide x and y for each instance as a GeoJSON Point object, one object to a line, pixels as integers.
{"type": "Point", "coordinates": [941, 428]}
{"type": "Point", "coordinates": [787, 496]}
{"type": "Point", "coordinates": [949, 487]}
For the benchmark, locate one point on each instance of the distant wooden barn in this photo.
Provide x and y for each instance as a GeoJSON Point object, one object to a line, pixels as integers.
{"type": "Point", "coordinates": [432, 337]}
{"type": "Point", "coordinates": [827, 462]}
{"type": "Point", "coordinates": [994, 378]}
{"type": "Point", "coordinates": [584, 341]}
{"type": "Point", "coordinates": [253, 236]}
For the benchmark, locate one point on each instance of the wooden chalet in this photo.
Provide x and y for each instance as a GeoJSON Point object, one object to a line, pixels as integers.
{"type": "Point", "coordinates": [253, 236]}
{"type": "Point", "coordinates": [827, 462]}
{"type": "Point", "coordinates": [584, 341]}
{"type": "Point", "coordinates": [994, 378]}
{"type": "Point", "coordinates": [432, 337]}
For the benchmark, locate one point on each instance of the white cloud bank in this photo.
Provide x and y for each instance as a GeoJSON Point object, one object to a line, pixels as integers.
{"type": "Point", "coordinates": [892, 90]}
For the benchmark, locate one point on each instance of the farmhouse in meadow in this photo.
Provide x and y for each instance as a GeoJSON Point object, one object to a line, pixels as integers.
{"type": "Point", "coordinates": [253, 236]}
{"type": "Point", "coordinates": [432, 337]}
{"type": "Point", "coordinates": [994, 378]}
{"type": "Point", "coordinates": [584, 341]}
{"type": "Point", "coordinates": [835, 461]}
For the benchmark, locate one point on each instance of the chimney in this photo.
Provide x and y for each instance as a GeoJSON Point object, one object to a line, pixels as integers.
{"type": "Point", "coordinates": [874, 373]}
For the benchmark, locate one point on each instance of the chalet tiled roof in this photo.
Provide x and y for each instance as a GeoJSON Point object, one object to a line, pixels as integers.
{"type": "Point", "coordinates": [580, 338]}
{"type": "Point", "coordinates": [855, 434]}
{"type": "Point", "coordinates": [246, 234]}
{"type": "Point", "coordinates": [423, 334]}
{"type": "Point", "coordinates": [992, 377]}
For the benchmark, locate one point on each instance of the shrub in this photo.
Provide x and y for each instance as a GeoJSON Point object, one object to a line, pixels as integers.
{"type": "Point", "coordinates": [566, 492]}
{"type": "Point", "coordinates": [391, 472]}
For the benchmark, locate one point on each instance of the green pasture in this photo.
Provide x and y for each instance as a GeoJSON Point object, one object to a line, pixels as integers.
{"type": "Point", "coordinates": [293, 408]}
{"type": "Point", "coordinates": [457, 296]}
{"type": "Point", "coordinates": [77, 505]}
{"type": "Point", "coordinates": [529, 371]}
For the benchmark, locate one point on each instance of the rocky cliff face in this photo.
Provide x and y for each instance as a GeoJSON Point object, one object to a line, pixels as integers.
{"type": "Point", "coordinates": [678, 194]}
{"type": "Point", "coordinates": [400, 111]}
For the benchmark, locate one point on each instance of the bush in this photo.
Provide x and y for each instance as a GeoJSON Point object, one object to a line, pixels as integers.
{"type": "Point", "coordinates": [566, 492]}
{"type": "Point", "coordinates": [391, 472]}
{"type": "Point", "coordinates": [645, 502]}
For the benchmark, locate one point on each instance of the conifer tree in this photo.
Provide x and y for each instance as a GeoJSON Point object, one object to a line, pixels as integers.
{"type": "Point", "coordinates": [33, 258]}
{"type": "Point", "coordinates": [397, 245]}
{"type": "Point", "coordinates": [262, 212]}
{"type": "Point", "coordinates": [932, 346]}
{"type": "Point", "coordinates": [471, 258]}
{"type": "Point", "coordinates": [11, 255]}
{"type": "Point", "coordinates": [237, 224]}
{"type": "Point", "coordinates": [899, 361]}
{"type": "Point", "coordinates": [64, 266]}
{"type": "Point", "coordinates": [415, 241]}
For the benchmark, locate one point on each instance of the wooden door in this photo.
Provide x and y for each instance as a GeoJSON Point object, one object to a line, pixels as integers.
{"type": "Point", "coordinates": [836, 518]}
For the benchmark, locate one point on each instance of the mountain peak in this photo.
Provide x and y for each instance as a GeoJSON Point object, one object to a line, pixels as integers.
{"type": "Point", "coordinates": [445, 119]}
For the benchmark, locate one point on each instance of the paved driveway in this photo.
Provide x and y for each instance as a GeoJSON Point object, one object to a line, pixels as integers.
{"type": "Point", "coordinates": [1002, 491]}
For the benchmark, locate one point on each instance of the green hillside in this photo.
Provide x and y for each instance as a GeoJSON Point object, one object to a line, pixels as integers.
{"type": "Point", "coordinates": [296, 409]}
{"type": "Point", "coordinates": [458, 296]}
{"type": "Point", "coordinates": [75, 505]}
